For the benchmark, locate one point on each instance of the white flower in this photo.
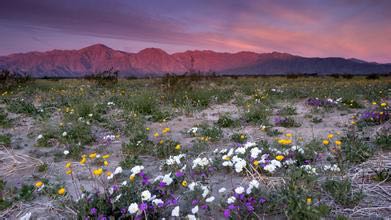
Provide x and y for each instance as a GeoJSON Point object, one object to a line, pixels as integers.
{"type": "Point", "coordinates": [136, 170]}
{"type": "Point", "coordinates": [66, 152]}
{"type": "Point", "coordinates": [205, 191]}
{"type": "Point", "coordinates": [309, 169]}
{"type": "Point", "coordinates": [157, 202]}
{"type": "Point", "coordinates": [145, 195]}
{"type": "Point", "coordinates": [117, 197]}
{"type": "Point", "coordinates": [167, 179]}
{"type": "Point", "coordinates": [110, 103]}
{"type": "Point", "coordinates": [230, 152]}
{"type": "Point", "coordinates": [225, 157]}
{"type": "Point", "coordinates": [332, 168]}
{"type": "Point", "coordinates": [254, 152]}
{"type": "Point", "coordinates": [90, 115]}
{"type": "Point", "coordinates": [194, 210]}
{"type": "Point", "coordinates": [191, 217]}
{"type": "Point", "coordinates": [231, 200]}
{"type": "Point", "coordinates": [289, 161]}
{"type": "Point", "coordinates": [239, 164]}
{"type": "Point", "coordinates": [64, 133]}
{"type": "Point", "coordinates": [192, 185]}
{"type": "Point", "coordinates": [249, 144]}
{"type": "Point", "coordinates": [133, 208]}
{"type": "Point", "coordinates": [227, 164]}
{"type": "Point", "coordinates": [39, 136]}
{"type": "Point", "coordinates": [274, 164]}
{"type": "Point", "coordinates": [201, 162]}
{"type": "Point", "coordinates": [239, 190]}
{"type": "Point", "coordinates": [210, 199]}
{"type": "Point", "coordinates": [27, 216]}
{"type": "Point", "coordinates": [240, 150]}
{"type": "Point", "coordinates": [175, 212]}
{"type": "Point", "coordinates": [253, 184]}
{"type": "Point", "coordinates": [192, 130]}
{"type": "Point", "coordinates": [118, 170]}
{"type": "Point", "coordinates": [221, 190]}
{"type": "Point", "coordinates": [124, 183]}
{"type": "Point", "coordinates": [110, 177]}
{"type": "Point", "coordinates": [223, 151]}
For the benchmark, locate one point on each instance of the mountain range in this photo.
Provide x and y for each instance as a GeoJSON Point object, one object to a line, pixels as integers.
{"type": "Point", "coordinates": [156, 62]}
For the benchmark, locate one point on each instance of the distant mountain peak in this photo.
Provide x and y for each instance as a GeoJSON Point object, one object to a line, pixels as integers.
{"type": "Point", "coordinates": [156, 62]}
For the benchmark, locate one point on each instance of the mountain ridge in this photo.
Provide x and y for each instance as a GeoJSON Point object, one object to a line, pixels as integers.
{"type": "Point", "coordinates": [157, 62]}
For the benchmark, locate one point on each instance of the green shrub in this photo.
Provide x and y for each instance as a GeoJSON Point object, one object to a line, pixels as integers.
{"type": "Point", "coordinates": [341, 191]}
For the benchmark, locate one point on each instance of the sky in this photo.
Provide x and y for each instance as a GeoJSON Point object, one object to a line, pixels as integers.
{"type": "Point", "coordinates": [329, 28]}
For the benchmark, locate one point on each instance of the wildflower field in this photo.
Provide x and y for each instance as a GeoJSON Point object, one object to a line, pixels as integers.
{"type": "Point", "coordinates": [196, 148]}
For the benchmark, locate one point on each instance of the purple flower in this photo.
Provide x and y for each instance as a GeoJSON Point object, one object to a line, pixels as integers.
{"type": "Point", "coordinates": [194, 202]}
{"type": "Point", "coordinates": [227, 213]}
{"type": "Point", "coordinates": [262, 200]}
{"type": "Point", "coordinates": [93, 211]}
{"type": "Point", "coordinates": [162, 184]}
{"type": "Point", "coordinates": [231, 207]}
{"type": "Point", "coordinates": [204, 206]}
{"type": "Point", "coordinates": [143, 206]}
{"type": "Point", "coordinates": [179, 174]}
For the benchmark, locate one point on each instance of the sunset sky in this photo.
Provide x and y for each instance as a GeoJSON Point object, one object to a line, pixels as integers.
{"type": "Point", "coordinates": [346, 28]}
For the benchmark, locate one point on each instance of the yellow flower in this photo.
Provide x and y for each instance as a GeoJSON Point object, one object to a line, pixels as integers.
{"type": "Point", "coordinates": [383, 104]}
{"type": "Point", "coordinates": [325, 142]}
{"type": "Point", "coordinates": [374, 103]}
{"type": "Point", "coordinates": [98, 172]}
{"type": "Point", "coordinates": [165, 130]}
{"type": "Point", "coordinates": [184, 183]}
{"type": "Point", "coordinates": [256, 163]}
{"type": "Point", "coordinates": [83, 161]}
{"type": "Point", "coordinates": [92, 156]}
{"type": "Point", "coordinates": [161, 142]}
{"type": "Point", "coordinates": [178, 147]}
{"type": "Point", "coordinates": [131, 178]}
{"type": "Point", "coordinates": [106, 163]}
{"type": "Point", "coordinates": [309, 201]}
{"type": "Point", "coordinates": [39, 184]}
{"type": "Point", "coordinates": [329, 136]}
{"type": "Point", "coordinates": [69, 172]}
{"type": "Point", "coordinates": [108, 173]}
{"type": "Point", "coordinates": [106, 156]}
{"type": "Point", "coordinates": [285, 141]}
{"type": "Point", "coordinates": [242, 137]}
{"type": "Point", "coordinates": [279, 157]}
{"type": "Point", "coordinates": [156, 134]}
{"type": "Point", "coordinates": [288, 135]}
{"type": "Point", "coordinates": [68, 165]}
{"type": "Point", "coordinates": [147, 129]}
{"type": "Point", "coordinates": [338, 143]}
{"type": "Point", "coordinates": [61, 191]}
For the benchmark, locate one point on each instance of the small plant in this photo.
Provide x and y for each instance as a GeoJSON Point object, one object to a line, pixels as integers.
{"type": "Point", "coordinates": [4, 121]}
{"type": "Point", "coordinates": [130, 161]}
{"type": "Point", "coordinates": [383, 139]}
{"type": "Point", "coordinates": [257, 114]}
{"type": "Point", "coordinates": [287, 110]}
{"type": "Point", "coordinates": [212, 133]}
{"type": "Point", "coordinates": [355, 150]}
{"type": "Point", "coordinates": [382, 175]}
{"type": "Point", "coordinates": [225, 121]}
{"type": "Point", "coordinates": [272, 132]}
{"type": "Point", "coordinates": [43, 167]}
{"type": "Point", "coordinates": [21, 106]}
{"type": "Point", "coordinates": [5, 140]}
{"type": "Point", "coordinates": [351, 103]}
{"type": "Point", "coordinates": [287, 122]}
{"type": "Point", "coordinates": [239, 138]}
{"type": "Point", "coordinates": [341, 191]}
{"type": "Point", "coordinates": [316, 120]}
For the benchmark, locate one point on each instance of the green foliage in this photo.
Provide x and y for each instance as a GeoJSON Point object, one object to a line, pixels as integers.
{"type": "Point", "coordinates": [355, 150]}
{"type": "Point", "coordinates": [213, 133]}
{"type": "Point", "coordinates": [21, 106]}
{"type": "Point", "coordinates": [5, 140]}
{"type": "Point", "coordinates": [239, 138]}
{"type": "Point", "coordinates": [382, 175]}
{"type": "Point", "coordinates": [383, 139]}
{"type": "Point", "coordinates": [258, 114]}
{"type": "Point", "coordinates": [287, 110]}
{"type": "Point", "coordinates": [225, 121]}
{"type": "Point", "coordinates": [342, 193]}
{"type": "Point", "coordinates": [4, 121]}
